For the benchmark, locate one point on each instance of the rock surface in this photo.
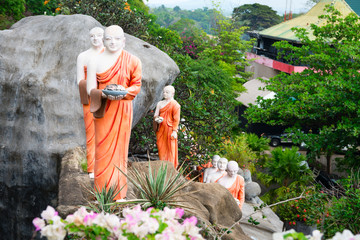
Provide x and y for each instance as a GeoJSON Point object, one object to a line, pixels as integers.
{"type": "Point", "coordinates": [41, 114]}
{"type": "Point", "coordinates": [213, 204]}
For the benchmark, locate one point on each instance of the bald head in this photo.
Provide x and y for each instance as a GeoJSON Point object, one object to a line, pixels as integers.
{"type": "Point", "coordinates": [97, 36]}
{"type": "Point", "coordinates": [222, 164]}
{"type": "Point", "coordinates": [232, 168]}
{"type": "Point", "coordinates": [114, 38]}
{"type": "Point", "coordinates": [97, 30]}
{"type": "Point", "coordinates": [169, 92]}
{"type": "Point", "coordinates": [114, 30]}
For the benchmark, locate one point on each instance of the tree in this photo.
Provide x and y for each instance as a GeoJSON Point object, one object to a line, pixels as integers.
{"type": "Point", "coordinates": [325, 96]}
{"type": "Point", "coordinates": [256, 16]}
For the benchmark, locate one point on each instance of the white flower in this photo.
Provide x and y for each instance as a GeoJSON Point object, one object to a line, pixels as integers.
{"type": "Point", "coordinates": [78, 217]}
{"type": "Point", "coordinates": [280, 235]}
{"type": "Point", "coordinates": [49, 213]}
{"type": "Point", "coordinates": [112, 221]}
{"type": "Point", "coordinates": [54, 231]}
{"type": "Point", "coordinates": [316, 235]}
{"type": "Point", "coordinates": [38, 223]}
{"type": "Point", "coordinates": [345, 235]}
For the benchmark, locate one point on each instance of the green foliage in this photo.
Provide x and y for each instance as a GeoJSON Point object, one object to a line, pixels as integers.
{"type": "Point", "coordinates": [204, 19]}
{"type": "Point", "coordinates": [239, 151]}
{"type": "Point", "coordinates": [295, 236]}
{"type": "Point", "coordinates": [257, 144]}
{"type": "Point", "coordinates": [90, 232]}
{"type": "Point", "coordinates": [12, 9]}
{"type": "Point", "coordinates": [204, 91]}
{"type": "Point", "coordinates": [158, 189]}
{"type": "Point", "coordinates": [104, 198]}
{"type": "Point", "coordinates": [255, 16]}
{"type": "Point", "coordinates": [309, 209]}
{"type": "Point", "coordinates": [131, 18]}
{"type": "Point", "coordinates": [285, 166]}
{"type": "Point", "coordinates": [344, 212]}
{"type": "Point", "coordinates": [46, 7]}
{"type": "Point", "coordinates": [228, 50]}
{"type": "Point", "coordinates": [324, 96]}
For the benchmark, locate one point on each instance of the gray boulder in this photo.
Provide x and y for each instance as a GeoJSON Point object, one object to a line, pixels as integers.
{"type": "Point", "coordinates": [41, 113]}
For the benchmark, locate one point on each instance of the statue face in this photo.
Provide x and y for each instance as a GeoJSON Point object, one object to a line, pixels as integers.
{"type": "Point", "coordinates": [215, 162]}
{"type": "Point", "coordinates": [222, 164]}
{"type": "Point", "coordinates": [114, 39]}
{"type": "Point", "coordinates": [168, 92]}
{"type": "Point", "coordinates": [232, 171]}
{"type": "Point", "coordinates": [96, 37]}
{"type": "Point", "coordinates": [232, 168]}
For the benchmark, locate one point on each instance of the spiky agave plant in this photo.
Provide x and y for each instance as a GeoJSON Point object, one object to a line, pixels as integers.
{"type": "Point", "coordinates": [104, 198]}
{"type": "Point", "coordinates": [157, 189]}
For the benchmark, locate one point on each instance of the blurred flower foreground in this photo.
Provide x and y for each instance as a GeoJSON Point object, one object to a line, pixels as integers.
{"type": "Point", "coordinates": [135, 224]}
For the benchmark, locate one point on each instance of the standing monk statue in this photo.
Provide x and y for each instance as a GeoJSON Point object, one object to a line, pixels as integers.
{"type": "Point", "coordinates": [97, 47]}
{"type": "Point", "coordinates": [114, 69]}
{"type": "Point", "coordinates": [167, 116]}
{"type": "Point", "coordinates": [234, 183]}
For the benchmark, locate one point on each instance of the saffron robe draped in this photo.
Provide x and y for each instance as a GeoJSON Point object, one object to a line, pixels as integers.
{"type": "Point", "coordinates": [168, 146]}
{"type": "Point", "coordinates": [237, 189]}
{"type": "Point", "coordinates": [112, 131]}
{"type": "Point", "coordinates": [89, 131]}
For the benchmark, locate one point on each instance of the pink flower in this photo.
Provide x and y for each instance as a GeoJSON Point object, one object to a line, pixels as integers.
{"type": "Point", "coordinates": [179, 212]}
{"type": "Point", "coordinates": [89, 217]}
{"type": "Point", "coordinates": [192, 220]}
{"type": "Point", "coordinates": [38, 223]}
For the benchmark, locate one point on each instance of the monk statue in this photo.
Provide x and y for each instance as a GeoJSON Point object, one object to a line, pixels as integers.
{"type": "Point", "coordinates": [167, 119]}
{"type": "Point", "coordinates": [97, 47]}
{"type": "Point", "coordinates": [234, 183]}
{"type": "Point", "coordinates": [211, 170]}
{"type": "Point", "coordinates": [116, 71]}
{"type": "Point", "coordinates": [221, 172]}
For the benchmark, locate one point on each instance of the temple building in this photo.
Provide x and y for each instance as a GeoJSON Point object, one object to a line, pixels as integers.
{"type": "Point", "coordinates": [266, 63]}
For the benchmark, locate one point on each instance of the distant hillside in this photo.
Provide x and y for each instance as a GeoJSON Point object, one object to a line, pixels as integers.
{"type": "Point", "coordinates": [203, 18]}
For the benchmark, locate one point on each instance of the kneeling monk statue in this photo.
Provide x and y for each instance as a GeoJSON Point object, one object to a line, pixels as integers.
{"type": "Point", "coordinates": [167, 115]}
{"type": "Point", "coordinates": [234, 182]}
{"type": "Point", "coordinates": [116, 69]}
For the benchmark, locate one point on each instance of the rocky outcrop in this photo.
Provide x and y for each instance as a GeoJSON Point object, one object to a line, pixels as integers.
{"type": "Point", "coordinates": [41, 114]}
{"type": "Point", "coordinates": [211, 203]}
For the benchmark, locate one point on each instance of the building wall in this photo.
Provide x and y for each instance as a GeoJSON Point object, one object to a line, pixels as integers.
{"type": "Point", "coordinates": [261, 70]}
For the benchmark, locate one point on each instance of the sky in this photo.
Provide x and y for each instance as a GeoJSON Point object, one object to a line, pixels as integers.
{"type": "Point", "coordinates": [228, 5]}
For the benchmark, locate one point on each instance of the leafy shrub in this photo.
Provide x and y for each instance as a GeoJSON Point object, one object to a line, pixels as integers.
{"type": "Point", "coordinates": [239, 151]}
{"type": "Point", "coordinates": [284, 166]}
{"type": "Point", "coordinates": [12, 9]}
{"type": "Point", "coordinates": [133, 20]}
{"type": "Point", "coordinates": [257, 144]}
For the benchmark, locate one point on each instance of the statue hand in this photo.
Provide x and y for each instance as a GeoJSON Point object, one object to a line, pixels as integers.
{"type": "Point", "coordinates": [110, 97]}
{"type": "Point", "coordinates": [159, 119]}
{"type": "Point", "coordinates": [174, 135]}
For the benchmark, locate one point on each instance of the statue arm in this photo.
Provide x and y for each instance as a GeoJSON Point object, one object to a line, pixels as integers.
{"type": "Point", "coordinates": [241, 193]}
{"type": "Point", "coordinates": [80, 75]}
{"type": "Point", "coordinates": [91, 76]}
{"type": "Point", "coordinates": [157, 117]}
{"type": "Point", "coordinates": [135, 82]}
{"type": "Point", "coordinates": [176, 121]}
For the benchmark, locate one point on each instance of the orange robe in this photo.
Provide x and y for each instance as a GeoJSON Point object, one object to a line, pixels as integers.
{"type": "Point", "coordinates": [167, 146]}
{"type": "Point", "coordinates": [90, 134]}
{"type": "Point", "coordinates": [202, 168]}
{"type": "Point", "coordinates": [112, 132]}
{"type": "Point", "coordinates": [237, 189]}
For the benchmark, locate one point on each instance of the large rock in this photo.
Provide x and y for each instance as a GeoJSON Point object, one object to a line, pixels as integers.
{"type": "Point", "coordinates": [41, 115]}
